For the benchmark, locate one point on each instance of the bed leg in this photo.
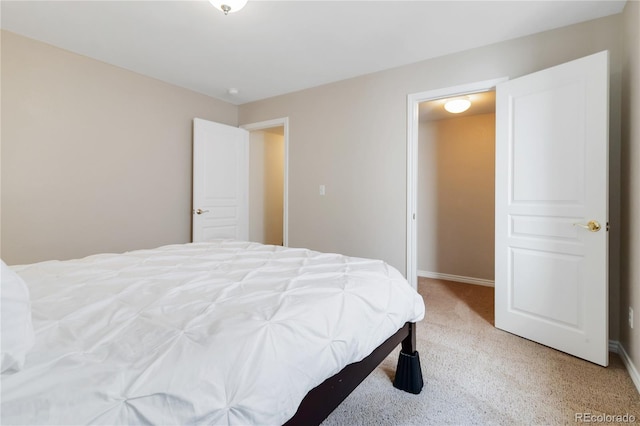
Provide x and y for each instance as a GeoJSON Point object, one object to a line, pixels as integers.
{"type": "Point", "coordinates": [408, 372]}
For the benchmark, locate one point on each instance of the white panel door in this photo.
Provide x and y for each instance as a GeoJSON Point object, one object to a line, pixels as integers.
{"type": "Point", "coordinates": [551, 283]}
{"type": "Point", "coordinates": [220, 181]}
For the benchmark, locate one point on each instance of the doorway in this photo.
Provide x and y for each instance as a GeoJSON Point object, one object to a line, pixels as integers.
{"type": "Point", "coordinates": [268, 177]}
{"type": "Point", "coordinates": [266, 186]}
{"type": "Point", "coordinates": [456, 190]}
{"type": "Point", "coordinates": [413, 124]}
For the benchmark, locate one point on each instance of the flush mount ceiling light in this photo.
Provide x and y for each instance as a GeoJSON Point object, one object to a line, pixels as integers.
{"type": "Point", "coordinates": [228, 6]}
{"type": "Point", "coordinates": [456, 106]}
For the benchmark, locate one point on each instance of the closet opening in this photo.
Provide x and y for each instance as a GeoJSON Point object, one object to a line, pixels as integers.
{"type": "Point", "coordinates": [456, 190]}
{"type": "Point", "coordinates": [432, 102]}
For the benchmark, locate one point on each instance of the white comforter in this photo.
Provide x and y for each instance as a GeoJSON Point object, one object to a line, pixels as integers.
{"type": "Point", "coordinates": [206, 333]}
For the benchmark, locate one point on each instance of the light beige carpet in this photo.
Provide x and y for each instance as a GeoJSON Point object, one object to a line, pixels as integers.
{"type": "Point", "coordinates": [477, 374]}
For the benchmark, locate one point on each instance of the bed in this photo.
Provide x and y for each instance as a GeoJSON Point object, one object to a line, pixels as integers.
{"type": "Point", "coordinates": [222, 332]}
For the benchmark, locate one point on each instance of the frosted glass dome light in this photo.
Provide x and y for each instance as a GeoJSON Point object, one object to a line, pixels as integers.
{"type": "Point", "coordinates": [228, 6]}
{"type": "Point", "coordinates": [456, 106]}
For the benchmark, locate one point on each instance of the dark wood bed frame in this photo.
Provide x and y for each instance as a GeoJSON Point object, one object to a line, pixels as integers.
{"type": "Point", "coordinates": [326, 397]}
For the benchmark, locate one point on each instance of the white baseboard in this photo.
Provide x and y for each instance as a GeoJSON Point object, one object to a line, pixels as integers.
{"type": "Point", "coordinates": [457, 278]}
{"type": "Point", "coordinates": [615, 346]}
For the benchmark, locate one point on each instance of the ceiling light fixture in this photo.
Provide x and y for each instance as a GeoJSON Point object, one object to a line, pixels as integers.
{"type": "Point", "coordinates": [456, 106]}
{"type": "Point", "coordinates": [228, 6]}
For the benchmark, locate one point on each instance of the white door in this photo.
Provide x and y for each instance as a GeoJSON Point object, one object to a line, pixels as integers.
{"type": "Point", "coordinates": [551, 283]}
{"type": "Point", "coordinates": [220, 181]}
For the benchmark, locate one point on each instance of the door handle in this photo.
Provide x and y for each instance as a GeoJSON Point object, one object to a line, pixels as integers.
{"type": "Point", "coordinates": [200, 211]}
{"type": "Point", "coordinates": [592, 225]}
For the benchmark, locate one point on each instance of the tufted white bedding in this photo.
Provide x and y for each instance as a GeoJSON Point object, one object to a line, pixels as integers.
{"type": "Point", "coordinates": [224, 332]}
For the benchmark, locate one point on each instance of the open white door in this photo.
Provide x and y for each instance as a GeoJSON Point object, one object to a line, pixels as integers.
{"type": "Point", "coordinates": [551, 283]}
{"type": "Point", "coordinates": [220, 181]}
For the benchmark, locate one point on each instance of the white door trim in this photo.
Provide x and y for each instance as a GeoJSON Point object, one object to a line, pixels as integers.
{"type": "Point", "coordinates": [413, 101]}
{"type": "Point", "coordinates": [277, 122]}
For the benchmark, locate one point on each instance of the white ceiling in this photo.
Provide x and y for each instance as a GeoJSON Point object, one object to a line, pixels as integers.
{"type": "Point", "coordinates": [275, 47]}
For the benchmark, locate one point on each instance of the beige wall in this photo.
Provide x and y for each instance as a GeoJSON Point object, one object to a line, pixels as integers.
{"type": "Point", "coordinates": [630, 244]}
{"type": "Point", "coordinates": [94, 158]}
{"type": "Point", "coordinates": [266, 187]}
{"type": "Point", "coordinates": [456, 202]}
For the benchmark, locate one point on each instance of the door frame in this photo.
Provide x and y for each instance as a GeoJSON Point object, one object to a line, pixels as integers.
{"type": "Point", "coordinates": [284, 123]}
{"type": "Point", "coordinates": [413, 102]}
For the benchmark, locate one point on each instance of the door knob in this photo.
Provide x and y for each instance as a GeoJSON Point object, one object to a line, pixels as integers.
{"type": "Point", "coordinates": [592, 226]}
{"type": "Point", "coordinates": [200, 211]}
